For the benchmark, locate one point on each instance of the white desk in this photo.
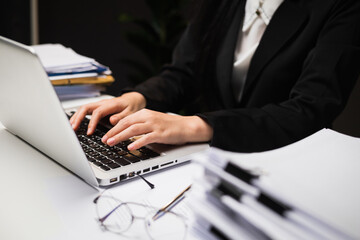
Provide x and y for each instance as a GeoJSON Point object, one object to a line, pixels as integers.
{"type": "Point", "coordinates": [42, 200]}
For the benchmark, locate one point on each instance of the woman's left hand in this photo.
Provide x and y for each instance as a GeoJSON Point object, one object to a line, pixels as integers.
{"type": "Point", "coordinates": [157, 127]}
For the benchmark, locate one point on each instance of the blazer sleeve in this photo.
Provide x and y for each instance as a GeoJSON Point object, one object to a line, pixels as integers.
{"type": "Point", "coordinates": [318, 96]}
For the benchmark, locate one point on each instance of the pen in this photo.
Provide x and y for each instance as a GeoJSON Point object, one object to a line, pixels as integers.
{"type": "Point", "coordinates": [172, 204]}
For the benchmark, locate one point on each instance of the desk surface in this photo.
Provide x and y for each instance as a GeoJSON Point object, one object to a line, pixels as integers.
{"type": "Point", "coordinates": [42, 200]}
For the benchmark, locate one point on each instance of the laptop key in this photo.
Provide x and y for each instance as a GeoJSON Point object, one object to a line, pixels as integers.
{"type": "Point", "coordinates": [122, 161]}
{"type": "Point", "coordinates": [93, 145]}
{"type": "Point", "coordinates": [94, 154]}
{"type": "Point", "coordinates": [110, 148]}
{"type": "Point", "coordinates": [149, 152]}
{"type": "Point", "coordinates": [98, 163]}
{"type": "Point", "coordinates": [106, 161]}
{"type": "Point", "coordinates": [105, 152]}
{"type": "Point", "coordinates": [113, 156]}
{"type": "Point", "coordinates": [98, 148]}
{"type": "Point", "coordinates": [139, 154]}
{"type": "Point", "coordinates": [122, 152]}
{"type": "Point", "coordinates": [113, 165]}
{"type": "Point", "coordinates": [124, 144]}
{"type": "Point", "coordinates": [106, 168]}
{"type": "Point", "coordinates": [100, 157]}
{"type": "Point", "coordinates": [91, 159]}
{"type": "Point", "coordinates": [131, 158]}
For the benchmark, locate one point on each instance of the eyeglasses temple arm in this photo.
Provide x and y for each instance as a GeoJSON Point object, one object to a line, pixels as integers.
{"type": "Point", "coordinates": [107, 215]}
{"type": "Point", "coordinates": [152, 186]}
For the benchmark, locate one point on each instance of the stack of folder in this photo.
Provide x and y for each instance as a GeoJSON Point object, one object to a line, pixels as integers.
{"type": "Point", "coordinates": [71, 74]}
{"type": "Point", "coordinates": [302, 191]}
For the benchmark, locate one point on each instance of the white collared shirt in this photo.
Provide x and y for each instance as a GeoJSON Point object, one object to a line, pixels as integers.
{"type": "Point", "coordinates": [248, 43]}
{"type": "Point", "coordinates": [266, 11]}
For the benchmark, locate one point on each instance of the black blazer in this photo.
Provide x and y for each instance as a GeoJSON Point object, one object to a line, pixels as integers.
{"type": "Point", "coordinates": [298, 81]}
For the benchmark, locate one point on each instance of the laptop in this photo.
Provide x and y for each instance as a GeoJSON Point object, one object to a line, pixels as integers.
{"type": "Point", "coordinates": [31, 110]}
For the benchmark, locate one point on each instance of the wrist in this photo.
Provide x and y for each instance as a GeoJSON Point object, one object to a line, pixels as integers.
{"type": "Point", "coordinates": [199, 130]}
{"type": "Point", "coordinates": [137, 98]}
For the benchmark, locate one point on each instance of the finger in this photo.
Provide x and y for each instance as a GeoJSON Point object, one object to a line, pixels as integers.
{"type": "Point", "coordinates": [143, 141]}
{"type": "Point", "coordinates": [123, 124]}
{"type": "Point", "coordinates": [114, 119]}
{"type": "Point", "coordinates": [97, 115]}
{"type": "Point", "coordinates": [131, 131]}
{"type": "Point", "coordinates": [72, 118]}
{"type": "Point", "coordinates": [80, 115]}
{"type": "Point", "coordinates": [74, 115]}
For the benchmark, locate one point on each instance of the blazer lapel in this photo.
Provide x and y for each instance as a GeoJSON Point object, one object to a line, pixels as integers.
{"type": "Point", "coordinates": [225, 59]}
{"type": "Point", "coordinates": [284, 24]}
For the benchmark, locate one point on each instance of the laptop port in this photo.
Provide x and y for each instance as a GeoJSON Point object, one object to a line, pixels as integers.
{"type": "Point", "coordinates": [146, 170]}
{"type": "Point", "coordinates": [123, 177]}
{"type": "Point", "coordinates": [138, 172]}
{"type": "Point", "coordinates": [113, 180]}
{"type": "Point", "coordinates": [155, 167]}
{"type": "Point", "coordinates": [165, 164]}
{"type": "Point", "coordinates": [131, 174]}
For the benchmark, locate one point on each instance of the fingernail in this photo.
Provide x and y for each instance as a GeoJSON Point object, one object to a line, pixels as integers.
{"type": "Point", "coordinates": [104, 139]}
{"type": "Point", "coordinates": [73, 126]}
{"type": "Point", "coordinates": [131, 147]}
{"type": "Point", "coordinates": [111, 141]}
{"type": "Point", "coordinates": [88, 132]}
{"type": "Point", "coordinates": [113, 119]}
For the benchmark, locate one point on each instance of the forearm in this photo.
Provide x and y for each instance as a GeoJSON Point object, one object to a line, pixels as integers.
{"type": "Point", "coordinates": [197, 130]}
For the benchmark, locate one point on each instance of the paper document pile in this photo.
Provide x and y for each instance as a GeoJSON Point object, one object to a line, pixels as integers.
{"type": "Point", "coordinates": [307, 190]}
{"type": "Point", "coordinates": [73, 75]}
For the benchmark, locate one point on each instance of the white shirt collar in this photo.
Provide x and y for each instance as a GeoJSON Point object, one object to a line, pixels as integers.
{"type": "Point", "coordinates": [266, 12]}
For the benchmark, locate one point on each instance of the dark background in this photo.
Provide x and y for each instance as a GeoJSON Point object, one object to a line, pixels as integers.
{"type": "Point", "coordinates": [92, 28]}
{"type": "Point", "coordinates": [89, 27]}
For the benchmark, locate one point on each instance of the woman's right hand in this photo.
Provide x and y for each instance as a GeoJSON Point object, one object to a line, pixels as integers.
{"type": "Point", "coordinates": [119, 107]}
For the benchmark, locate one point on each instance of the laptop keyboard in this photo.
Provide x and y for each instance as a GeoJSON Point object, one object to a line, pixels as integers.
{"type": "Point", "coordinates": [106, 157]}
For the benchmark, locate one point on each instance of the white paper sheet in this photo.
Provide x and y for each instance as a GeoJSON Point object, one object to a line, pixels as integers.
{"type": "Point", "coordinates": [56, 55]}
{"type": "Point", "coordinates": [318, 175]}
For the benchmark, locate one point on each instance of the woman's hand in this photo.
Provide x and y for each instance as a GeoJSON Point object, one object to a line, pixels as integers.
{"type": "Point", "coordinates": [120, 107]}
{"type": "Point", "coordinates": [157, 127]}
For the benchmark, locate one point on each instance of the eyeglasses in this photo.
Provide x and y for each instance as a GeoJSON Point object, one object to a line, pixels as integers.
{"type": "Point", "coordinates": [117, 216]}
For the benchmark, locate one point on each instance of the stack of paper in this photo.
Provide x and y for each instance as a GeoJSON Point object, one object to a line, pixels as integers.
{"type": "Point", "coordinates": [307, 190]}
{"type": "Point", "coordinates": [72, 74]}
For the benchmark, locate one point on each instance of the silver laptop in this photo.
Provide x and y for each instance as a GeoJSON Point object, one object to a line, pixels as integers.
{"type": "Point", "coordinates": [30, 109]}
